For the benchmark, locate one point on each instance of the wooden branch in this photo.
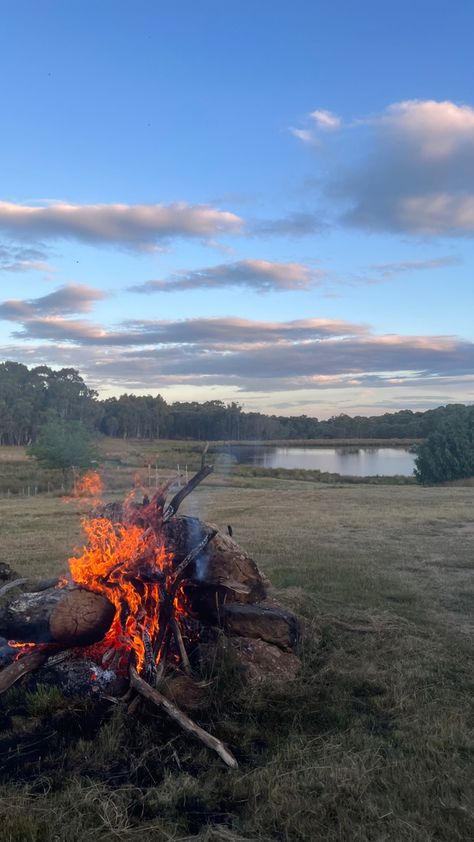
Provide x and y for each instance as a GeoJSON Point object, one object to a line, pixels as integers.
{"type": "Point", "coordinates": [28, 663]}
{"type": "Point", "coordinates": [190, 486]}
{"type": "Point", "coordinates": [181, 647]}
{"type": "Point", "coordinates": [32, 587]}
{"type": "Point", "coordinates": [10, 585]}
{"type": "Point", "coordinates": [191, 557]}
{"type": "Point", "coordinates": [132, 696]}
{"type": "Point", "coordinates": [181, 718]}
{"type": "Point", "coordinates": [44, 585]}
{"type": "Point", "coordinates": [159, 499]}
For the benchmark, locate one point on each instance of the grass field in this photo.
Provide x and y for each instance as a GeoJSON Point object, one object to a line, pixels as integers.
{"type": "Point", "coordinates": [373, 743]}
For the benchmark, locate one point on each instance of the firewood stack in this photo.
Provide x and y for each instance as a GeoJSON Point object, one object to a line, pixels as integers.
{"type": "Point", "coordinates": [206, 594]}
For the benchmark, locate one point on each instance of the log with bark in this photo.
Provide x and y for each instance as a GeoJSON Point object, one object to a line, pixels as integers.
{"type": "Point", "coordinates": [70, 617]}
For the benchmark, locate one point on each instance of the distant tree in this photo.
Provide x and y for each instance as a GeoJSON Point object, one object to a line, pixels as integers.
{"type": "Point", "coordinates": [448, 451]}
{"type": "Point", "coordinates": [65, 445]}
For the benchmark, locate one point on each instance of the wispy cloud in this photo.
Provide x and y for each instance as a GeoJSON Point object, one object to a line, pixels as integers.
{"type": "Point", "coordinates": [390, 270]}
{"type": "Point", "coordinates": [140, 227]}
{"type": "Point", "coordinates": [222, 334]}
{"type": "Point", "coordinates": [316, 123]}
{"type": "Point", "coordinates": [17, 259]}
{"type": "Point", "coordinates": [326, 120]}
{"type": "Point", "coordinates": [258, 275]}
{"type": "Point", "coordinates": [296, 224]}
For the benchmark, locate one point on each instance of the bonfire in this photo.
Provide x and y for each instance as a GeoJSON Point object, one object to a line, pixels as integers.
{"type": "Point", "coordinates": [144, 593]}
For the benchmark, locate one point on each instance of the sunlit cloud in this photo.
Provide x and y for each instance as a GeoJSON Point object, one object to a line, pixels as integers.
{"type": "Point", "coordinates": [68, 299]}
{"type": "Point", "coordinates": [417, 170]}
{"type": "Point", "coordinates": [247, 355]}
{"type": "Point", "coordinates": [218, 334]}
{"type": "Point", "coordinates": [257, 275]}
{"type": "Point", "coordinates": [141, 227]}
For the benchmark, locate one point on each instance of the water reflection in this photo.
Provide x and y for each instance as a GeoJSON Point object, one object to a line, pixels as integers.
{"type": "Point", "coordinates": [347, 461]}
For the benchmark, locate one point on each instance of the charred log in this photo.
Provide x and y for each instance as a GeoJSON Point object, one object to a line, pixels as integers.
{"type": "Point", "coordinates": [222, 572]}
{"type": "Point", "coordinates": [175, 503]}
{"type": "Point", "coordinates": [74, 617]}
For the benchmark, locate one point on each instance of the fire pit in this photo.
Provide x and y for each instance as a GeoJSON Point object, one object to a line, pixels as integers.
{"type": "Point", "coordinates": [150, 597]}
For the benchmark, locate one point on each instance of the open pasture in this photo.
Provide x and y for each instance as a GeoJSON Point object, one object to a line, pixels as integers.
{"type": "Point", "coordinates": [372, 743]}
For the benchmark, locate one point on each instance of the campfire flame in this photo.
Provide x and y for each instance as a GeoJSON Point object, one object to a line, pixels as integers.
{"type": "Point", "coordinates": [130, 566]}
{"type": "Point", "coordinates": [129, 563]}
{"type": "Point", "coordinates": [89, 485]}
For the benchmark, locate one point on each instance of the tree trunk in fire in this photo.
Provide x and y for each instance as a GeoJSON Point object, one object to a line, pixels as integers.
{"type": "Point", "coordinates": [74, 617]}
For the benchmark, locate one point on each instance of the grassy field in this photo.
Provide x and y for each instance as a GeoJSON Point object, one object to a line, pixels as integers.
{"type": "Point", "coordinates": [373, 743]}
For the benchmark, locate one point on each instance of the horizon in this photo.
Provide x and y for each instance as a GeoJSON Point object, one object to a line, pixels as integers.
{"type": "Point", "coordinates": [266, 205]}
{"type": "Point", "coordinates": [323, 417]}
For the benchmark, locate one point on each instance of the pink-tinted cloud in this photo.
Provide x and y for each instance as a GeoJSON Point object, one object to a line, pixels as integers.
{"type": "Point", "coordinates": [416, 173]}
{"type": "Point", "coordinates": [131, 226]}
{"type": "Point", "coordinates": [250, 355]}
{"type": "Point", "coordinates": [414, 169]}
{"type": "Point", "coordinates": [258, 275]}
{"type": "Point", "coordinates": [68, 299]}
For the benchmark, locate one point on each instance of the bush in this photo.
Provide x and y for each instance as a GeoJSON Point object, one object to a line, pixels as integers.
{"type": "Point", "coordinates": [64, 445]}
{"type": "Point", "coordinates": [448, 452]}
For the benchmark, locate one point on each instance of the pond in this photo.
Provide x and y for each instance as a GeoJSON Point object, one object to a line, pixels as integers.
{"type": "Point", "coordinates": [347, 461]}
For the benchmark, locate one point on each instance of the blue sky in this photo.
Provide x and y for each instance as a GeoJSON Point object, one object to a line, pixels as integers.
{"type": "Point", "coordinates": [257, 201]}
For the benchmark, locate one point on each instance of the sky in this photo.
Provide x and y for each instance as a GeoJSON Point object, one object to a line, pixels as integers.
{"type": "Point", "coordinates": [262, 201]}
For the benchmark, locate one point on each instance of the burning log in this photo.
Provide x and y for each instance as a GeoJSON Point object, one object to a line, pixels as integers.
{"type": "Point", "coordinates": [74, 617]}
{"type": "Point", "coordinates": [223, 571]}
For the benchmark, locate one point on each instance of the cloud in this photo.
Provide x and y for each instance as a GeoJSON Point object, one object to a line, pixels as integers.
{"type": "Point", "coordinates": [326, 119]}
{"type": "Point", "coordinates": [133, 226]}
{"type": "Point", "coordinates": [213, 334]}
{"type": "Point", "coordinates": [68, 299]}
{"type": "Point", "coordinates": [317, 123]}
{"type": "Point", "coordinates": [390, 270]}
{"type": "Point", "coordinates": [18, 259]}
{"type": "Point", "coordinates": [297, 224]}
{"type": "Point", "coordinates": [417, 171]}
{"type": "Point", "coordinates": [258, 275]}
{"type": "Point", "coordinates": [247, 355]}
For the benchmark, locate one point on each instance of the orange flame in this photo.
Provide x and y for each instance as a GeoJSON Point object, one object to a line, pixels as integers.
{"type": "Point", "coordinates": [89, 485]}
{"type": "Point", "coordinates": [128, 563]}
{"type": "Point", "coordinates": [124, 562]}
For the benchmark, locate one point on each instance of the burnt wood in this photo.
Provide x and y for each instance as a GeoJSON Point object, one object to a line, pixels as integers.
{"type": "Point", "coordinates": [178, 498]}
{"type": "Point", "coordinates": [69, 617]}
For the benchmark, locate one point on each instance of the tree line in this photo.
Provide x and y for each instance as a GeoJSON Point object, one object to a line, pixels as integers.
{"type": "Point", "coordinates": [31, 398]}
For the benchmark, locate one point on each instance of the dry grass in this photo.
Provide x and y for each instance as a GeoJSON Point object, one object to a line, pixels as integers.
{"type": "Point", "coordinates": [373, 743]}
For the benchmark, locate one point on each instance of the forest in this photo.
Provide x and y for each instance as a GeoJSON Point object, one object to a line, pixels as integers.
{"type": "Point", "coordinates": [33, 397]}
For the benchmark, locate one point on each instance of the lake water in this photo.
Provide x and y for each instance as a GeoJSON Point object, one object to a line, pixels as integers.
{"type": "Point", "coordinates": [347, 461]}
